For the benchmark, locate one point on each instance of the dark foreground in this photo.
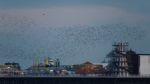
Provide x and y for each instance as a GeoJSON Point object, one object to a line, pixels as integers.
{"type": "Point", "coordinates": [72, 80]}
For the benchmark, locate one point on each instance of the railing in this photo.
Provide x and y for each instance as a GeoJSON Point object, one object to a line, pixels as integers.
{"type": "Point", "coordinates": [80, 75]}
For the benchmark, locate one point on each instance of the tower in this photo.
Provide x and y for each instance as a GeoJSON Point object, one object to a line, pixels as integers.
{"type": "Point", "coordinates": [117, 64]}
{"type": "Point", "coordinates": [46, 61]}
{"type": "Point", "coordinates": [35, 62]}
{"type": "Point", "coordinates": [57, 62]}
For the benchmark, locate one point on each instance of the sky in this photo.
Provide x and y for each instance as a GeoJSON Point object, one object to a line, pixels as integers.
{"type": "Point", "coordinates": [75, 31]}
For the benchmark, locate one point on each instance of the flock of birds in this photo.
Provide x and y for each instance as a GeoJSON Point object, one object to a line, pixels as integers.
{"type": "Point", "coordinates": [109, 32]}
{"type": "Point", "coordinates": [77, 33]}
{"type": "Point", "coordinates": [67, 40]}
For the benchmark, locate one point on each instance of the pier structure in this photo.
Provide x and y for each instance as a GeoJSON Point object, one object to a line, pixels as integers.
{"type": "Point", "coordinates": [117, 63]}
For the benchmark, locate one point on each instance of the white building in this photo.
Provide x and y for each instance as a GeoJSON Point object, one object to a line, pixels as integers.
{"type": "Point", "coordinates": [144, 64]}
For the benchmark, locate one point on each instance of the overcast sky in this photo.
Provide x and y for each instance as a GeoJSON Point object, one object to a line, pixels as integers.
{"type": "Point", "coordinates": [74, 31]}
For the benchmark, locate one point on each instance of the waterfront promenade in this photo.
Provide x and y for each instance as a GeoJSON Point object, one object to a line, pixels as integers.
{"type": "Point", "coordinates": [75, 80]}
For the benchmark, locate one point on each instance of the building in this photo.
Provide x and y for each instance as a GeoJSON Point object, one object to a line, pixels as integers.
{"type": "Point", "coordinates": [49, 67]}
{"type": "Point", "coordinates": [133, 61]}
{"type": "Point", "coordinates": [10, 69]}
{"type": "Point", "coordinates": [15, 65]}
{"type": "Point", "coordinates": [70, 69]}
{"type": "Point", "coordinates": [144, 64]}
{"type": "Point", "coordinates": [50, 62]}
{"type": "Point", "coordinates": [117, 60]}
{"type": "Point", "coordinates": [89, 68]}
{"type": "Point", "coordinates": [46, 71]}
{"type": "Point", "coordinates": [123, 61]}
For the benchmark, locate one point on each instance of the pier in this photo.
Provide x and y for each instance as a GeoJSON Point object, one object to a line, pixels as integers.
{"type": "Point", "coordinates": [74, 80]}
